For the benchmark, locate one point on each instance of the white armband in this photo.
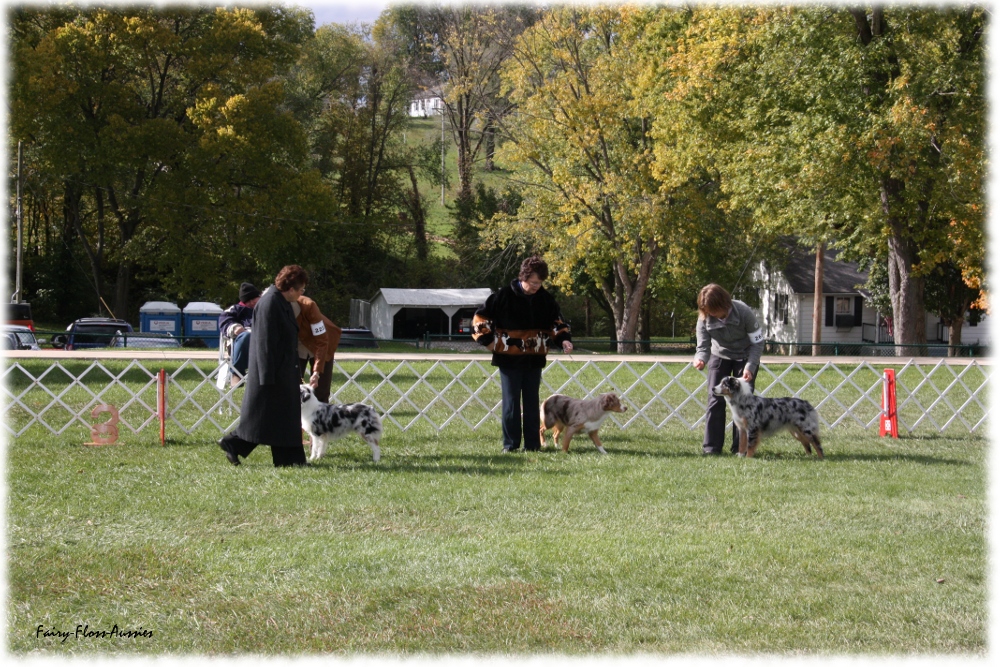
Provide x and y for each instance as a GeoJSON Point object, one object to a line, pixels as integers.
{"type": "Point", "coordinates": [756, 336]}
{"type": "Point", "coordinates": [318, 329]}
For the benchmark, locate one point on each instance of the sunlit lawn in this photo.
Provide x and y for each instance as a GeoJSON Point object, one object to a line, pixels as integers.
{"type": "Point", "coordinates": [447, 545]}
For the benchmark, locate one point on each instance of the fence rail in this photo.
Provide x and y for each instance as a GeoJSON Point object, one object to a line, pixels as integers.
{"type": "Point", "coordinates": [56, 396]}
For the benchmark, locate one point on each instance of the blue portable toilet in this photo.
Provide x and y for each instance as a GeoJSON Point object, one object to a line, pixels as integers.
{"type": "Point", "coordinates": [201, 320]}
{"type": "Point", "coordinates": [160, 317]}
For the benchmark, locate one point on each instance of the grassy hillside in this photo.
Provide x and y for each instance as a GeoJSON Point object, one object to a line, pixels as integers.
{"type": "Point", "coordinates": [440, 221]}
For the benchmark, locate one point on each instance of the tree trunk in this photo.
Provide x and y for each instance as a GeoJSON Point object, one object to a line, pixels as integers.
{"type": "Point", "coordinates": [626, 301]}
{"type": "Point", "coordinates": [490, 145]}
{"type": "Point", "coordinates": [464, 164]}
{"type": "Point", "coordinates": [122, 286]}
{"type": "Point", "coordinates": [95, 254]}
{"type": "Point", "coordinates": [906, 291]}
{"type": "Point", "coordinates": [817, 336]}
{"type": "Point", "coordinates": [416, 208]}
{"type": "Point", "coordinates": [955, 336]}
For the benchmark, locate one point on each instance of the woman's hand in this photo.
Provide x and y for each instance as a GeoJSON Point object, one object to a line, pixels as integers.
{"type": "Point", "coordinates": [567, 346]}
{"type": "Point", "coordinates": [698, 364]}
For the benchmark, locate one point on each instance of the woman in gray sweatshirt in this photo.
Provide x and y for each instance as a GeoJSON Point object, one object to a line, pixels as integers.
{"type": "Point", "coordinates": [730, 342]}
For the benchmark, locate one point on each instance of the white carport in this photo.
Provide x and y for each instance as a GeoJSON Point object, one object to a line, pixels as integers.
{"type": "Point", "coordinates": [409, 313]}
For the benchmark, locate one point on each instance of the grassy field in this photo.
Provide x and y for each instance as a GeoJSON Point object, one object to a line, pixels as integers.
{"type": "Point", "coordinates": [447, 546]}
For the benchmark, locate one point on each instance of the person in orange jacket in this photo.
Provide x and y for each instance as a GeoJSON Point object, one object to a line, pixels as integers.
{"type": "Point", "coordinates": [318, 341]}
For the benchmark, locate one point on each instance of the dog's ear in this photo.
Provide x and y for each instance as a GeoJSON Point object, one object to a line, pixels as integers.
{"type": "Point", "coordinates": [608, 400]}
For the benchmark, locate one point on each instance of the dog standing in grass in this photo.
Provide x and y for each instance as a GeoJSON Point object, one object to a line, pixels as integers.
{"type": "Point", "coordinates": [756, 416]}
{"type": "Point", "coordinates": [325, 422]}
{"type": "Point", "coordinates": [570, 416]}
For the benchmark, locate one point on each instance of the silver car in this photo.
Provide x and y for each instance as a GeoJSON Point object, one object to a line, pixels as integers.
{"type": "Point", "coordinates": [17, 337]}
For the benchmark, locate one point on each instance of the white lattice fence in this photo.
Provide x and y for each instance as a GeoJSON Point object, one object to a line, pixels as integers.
{"type": "Point", "coordinates": [442, 392]}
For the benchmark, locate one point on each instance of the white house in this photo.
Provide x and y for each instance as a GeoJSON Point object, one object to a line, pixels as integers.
{"type": "Point", "coordinates": [785, 305]}
{"type": "Point", "coordinates": [426, 104]}
{"type": "Point", "coordinates": [410, 313]}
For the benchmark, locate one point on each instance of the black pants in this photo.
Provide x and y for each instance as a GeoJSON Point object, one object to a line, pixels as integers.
{"type": "Point", "coordinates": [280, 456]}
{"type": "Point", "coordinates": [520, 387]}
{"type": "Point", "coordinates": [715, 416]}
{"type": "Point", "coordinates": [322, 390]}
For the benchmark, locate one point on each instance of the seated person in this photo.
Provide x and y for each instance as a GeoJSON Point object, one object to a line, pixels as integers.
{"type": "Point", "coordinates": [234, 326]}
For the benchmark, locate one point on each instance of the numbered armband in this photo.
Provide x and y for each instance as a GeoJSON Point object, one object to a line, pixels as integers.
{"type": "Point", "coordinates": [318, 328]}
{"type": "Point", "coordinates": [756, 336]}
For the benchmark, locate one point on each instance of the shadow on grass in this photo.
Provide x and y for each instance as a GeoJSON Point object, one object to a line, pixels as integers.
{"type": "Point", "coordinates": [894, 456]}
{"type": "Point", "coordinates": [468, 464]}
{"type": "Point", "coordinates": [830, 458]}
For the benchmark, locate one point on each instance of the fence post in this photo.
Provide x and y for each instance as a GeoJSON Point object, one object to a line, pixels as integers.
{"type": "Point", "coordinates": [161, 404]}
{"type": "Point", "coordinates": [889, 425]}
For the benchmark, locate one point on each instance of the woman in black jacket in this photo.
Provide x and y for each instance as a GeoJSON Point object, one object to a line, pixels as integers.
{"type": "Point", "coordinates": [271, 406]}
{"type": "Point", "coordinates": [519, 323]}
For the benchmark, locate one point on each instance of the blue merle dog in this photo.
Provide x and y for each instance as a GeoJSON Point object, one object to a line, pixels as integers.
{"type": "Point", "coordinates": [756, 416]}
{"type": "Point", "coordinates": [325, 422]}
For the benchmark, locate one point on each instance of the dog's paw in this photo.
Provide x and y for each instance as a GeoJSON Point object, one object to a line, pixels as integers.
{"type": "Point", "coordinates": [601, 450]}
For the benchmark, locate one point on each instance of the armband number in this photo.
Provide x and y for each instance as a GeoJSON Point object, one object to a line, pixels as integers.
{"type": "Point", "coordinates": [318, 328]}
{"type": "Point", "coordinates": [757, 336]}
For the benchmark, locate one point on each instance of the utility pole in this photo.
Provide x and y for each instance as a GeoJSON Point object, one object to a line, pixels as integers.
{"type": "Point", "coordinates": [20, 226]}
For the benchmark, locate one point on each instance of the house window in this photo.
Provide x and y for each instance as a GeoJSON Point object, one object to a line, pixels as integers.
{"type": "Point", "coordinates": [750, 296]}
{"type": "Point", "coordinates": [781, 308]}
{"type": "Point", "coordinates": [844, 305]}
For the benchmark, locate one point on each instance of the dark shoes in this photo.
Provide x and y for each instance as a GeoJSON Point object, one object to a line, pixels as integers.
{"type": "Point", "coordinates": [711, 452]}
{"type": "Point", "coordinates": [228, 449]}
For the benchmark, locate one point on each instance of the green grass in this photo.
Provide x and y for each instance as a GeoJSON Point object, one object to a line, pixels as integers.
{"type": "Point", "coordinates": [448, 546]}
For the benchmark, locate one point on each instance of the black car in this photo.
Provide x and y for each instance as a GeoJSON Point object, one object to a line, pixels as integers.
{"type": "Point", "coordinates": [90, 332]}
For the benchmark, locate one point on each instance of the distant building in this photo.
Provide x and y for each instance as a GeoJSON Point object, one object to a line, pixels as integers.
{"type": "Point", "coordinates": [785, 300]}
{"type": "Point", "coordinates": [410, 313]}
{"type": "Point", "coordinates": [426, 104]}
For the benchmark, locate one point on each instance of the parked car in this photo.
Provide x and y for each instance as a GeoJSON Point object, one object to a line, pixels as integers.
{"type": "Point", "coordinates": [91, 332]}
{"type": "Point", "coordinates": [144, 341]}
{"type": "Point", "coordinates": [17, 337]}
{"type": "Point", "coordinates": [20, 313]}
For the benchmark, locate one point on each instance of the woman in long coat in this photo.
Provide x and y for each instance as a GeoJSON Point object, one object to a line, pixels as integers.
{"type": "Point", "coordinates": [270, 411]}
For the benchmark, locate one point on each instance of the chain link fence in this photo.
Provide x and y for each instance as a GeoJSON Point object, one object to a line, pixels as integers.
{"type": "Point", "coordinates": [44, 397]}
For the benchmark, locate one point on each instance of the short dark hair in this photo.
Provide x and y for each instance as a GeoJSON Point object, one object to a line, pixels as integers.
{"type": "Point", "coordinates": [714, 299]}
{"type": "Point", "coordinates": [533, 265]}
{"type": "Point", "coordinates": [291, 276]}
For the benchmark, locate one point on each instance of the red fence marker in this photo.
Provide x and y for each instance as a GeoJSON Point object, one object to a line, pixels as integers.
{"type": "Point", "coordinates": [888, 420]}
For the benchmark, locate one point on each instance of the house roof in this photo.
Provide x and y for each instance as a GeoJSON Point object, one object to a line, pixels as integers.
{"type": "Point", "coordinates": [435, 298]}
{"type": "Point", "coordinates": [839, 277]}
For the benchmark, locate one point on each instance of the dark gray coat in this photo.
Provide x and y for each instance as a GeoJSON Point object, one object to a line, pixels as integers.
{"type": "Point", "coordinates": [736, 337]}
{"type": "Point", "coordinates": [270, 411]}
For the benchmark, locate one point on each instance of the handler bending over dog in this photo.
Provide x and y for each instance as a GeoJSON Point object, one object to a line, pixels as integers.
{"type": "Point", "coordinates": [736, 345]}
